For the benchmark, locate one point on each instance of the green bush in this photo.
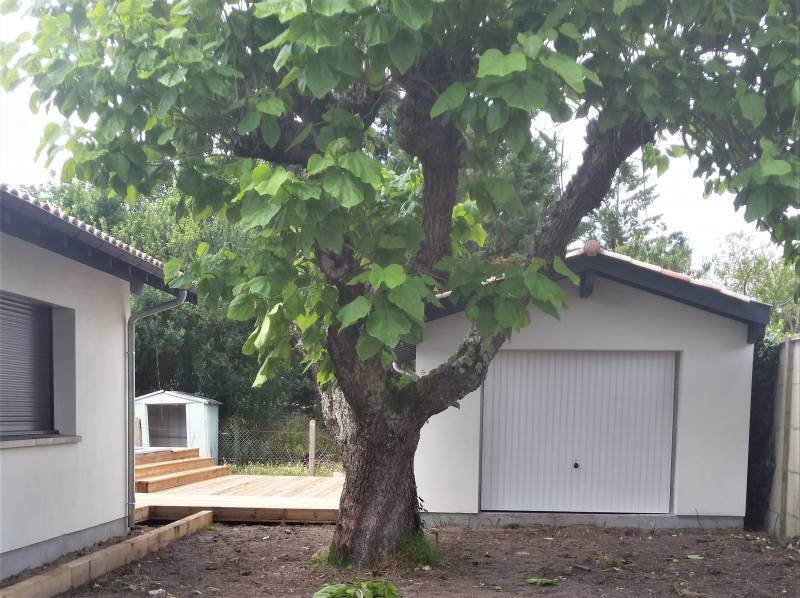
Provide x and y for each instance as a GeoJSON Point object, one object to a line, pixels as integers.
{"type": "Point", "coordinates": [359, 589]}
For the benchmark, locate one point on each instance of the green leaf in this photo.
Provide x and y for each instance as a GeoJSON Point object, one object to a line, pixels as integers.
{"type": "Point", "coordinates": [404, 49]}
{"type": "Point", "coordinates": [543, 289]}
{"type": "Point", "coordinates": [407, 298]}
{"type": "Point", "coordinates": [531, 44]}
{"type": "Point", "coordinates": [565, 67]}
{"type": "Point", "coordinates": [351, 313]}
{"type": "Point", "coordinates": [379, 29]}
{"type": "Point", "coordinates": [387, 324]}
{"type": "Point", "coordinates": [270, 131]}
{"type": "Point", "coordinates": [319, 77]}
{"type": "Point", "coordinates": [774, 167]}
{"type": "Point", "coordinates": [497, 116]}
{"type": "Point", "coordinates": [272, 106]}
{"type": "Point", "coordinates": [414, 13]}
{"type": "Point", "coordinates": [263, 333]}
{"type": "Point", "coordinates": [343, 188]}
{"type": "Point", "coordinates": [450, 99]}
{"type": "Point", "coordinates": [202, 248]}
{"type": "Point", "coordinates": [272, 184]}
{"type": "Point", "coordinates": [258, 211]}
{"type": "Point", "coordinates": [173, 77]}
{"type": "Point", "coordinates": [508, 312]}
{"type": "Point", "coordinates": [241, 308]}
{"type": "Point", "coordinates": [561, 268]}
{"type": "Point", "coordinates": [286, 10]}
{"type": "Point", "coordinates": [366, 347]}
{"type": "Point", "coordinates": [494, 63]}
{"type": "Point", "coordinates": [166, 102]}
{"type": "Point", "coordinates": [318, 163]}
{"type": "Point", "coordinates": [249, 122]}
{"type": "Point", "coordinates": [525, 97]}
{"type": "Point", "coordinates": [569, 30]}
{"type": "Point", "coordinates": [363, 167]}
{"type": "Point", "coordinates": [394, 275]}
{"type": "Point", "coordinates": [753, 107]}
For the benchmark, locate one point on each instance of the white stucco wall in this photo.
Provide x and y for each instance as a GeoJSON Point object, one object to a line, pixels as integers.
{"type": "Point", "coordinates": [49, 491]}
{"type": "Point", "coordinates": [715, 367]}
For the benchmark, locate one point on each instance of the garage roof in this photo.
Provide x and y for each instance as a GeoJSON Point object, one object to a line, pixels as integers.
{"type": "Point", "coordinates": [591, 261]}
{"type": "Point", "coordinates": [47, 226]}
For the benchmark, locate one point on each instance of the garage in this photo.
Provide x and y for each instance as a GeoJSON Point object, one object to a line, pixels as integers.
{"type": "Point", "coordinates": [632, 407]}
{"type": "Point", "coordinates": [580, 431]}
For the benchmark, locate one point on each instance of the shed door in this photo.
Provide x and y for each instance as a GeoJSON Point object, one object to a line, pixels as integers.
{"type": "Point", "coordinates": [581, 431]}
{"type": "Point", "coordinates": [167, 425]}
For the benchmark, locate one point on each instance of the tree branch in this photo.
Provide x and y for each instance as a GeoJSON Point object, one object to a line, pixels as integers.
{"type": "Point", "coordinates": [466, 369]}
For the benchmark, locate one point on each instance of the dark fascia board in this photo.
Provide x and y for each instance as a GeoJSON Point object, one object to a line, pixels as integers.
{"type": "Point", "coordinates": [29, 223]}
{"type": "Point", "coordinates": [653, 281]}
{"type": "Point", "coordinates": [753, 313]}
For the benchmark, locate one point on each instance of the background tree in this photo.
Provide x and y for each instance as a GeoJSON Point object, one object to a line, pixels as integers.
{"type": "Point", "coordinates": [758, 271]}
{"type": "Point", "coordinates": [266, 113]}
{"type": "Point", "coordinates": [622, 223]}
{"type": "Point", "coordinates": [196, 348]}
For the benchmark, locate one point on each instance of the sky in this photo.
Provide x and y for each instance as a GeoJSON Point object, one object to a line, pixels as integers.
{"type": "Point", "coordinates": [705, 222]}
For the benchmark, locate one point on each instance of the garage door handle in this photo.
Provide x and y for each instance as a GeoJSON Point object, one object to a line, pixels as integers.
{"type": "Point", "coordinates": [576, 465]}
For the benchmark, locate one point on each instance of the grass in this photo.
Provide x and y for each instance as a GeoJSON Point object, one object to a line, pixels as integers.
{"type": "Point", "coordinates": [418, 550]}
{"type": "Point", "coordinates": [512, 525]}
{"type": "Point", "coordinates": [296, 469]}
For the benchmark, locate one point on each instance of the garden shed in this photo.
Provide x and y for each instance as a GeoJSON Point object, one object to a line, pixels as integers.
{"type": "Point", "coordinates": [635, 402]}
{"type": "Point", "coordinates": [170, 418]}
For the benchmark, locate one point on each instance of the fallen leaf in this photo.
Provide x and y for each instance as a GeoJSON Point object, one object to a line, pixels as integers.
{"type": "Point", "coordinates": [694, 557]}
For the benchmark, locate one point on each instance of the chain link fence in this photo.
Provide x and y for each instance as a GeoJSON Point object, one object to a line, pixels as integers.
{"type": "Point", "coordinates": [286, 447]}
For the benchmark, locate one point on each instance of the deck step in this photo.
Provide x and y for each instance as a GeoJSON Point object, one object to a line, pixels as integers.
{"type": "Point", "coordinates": [180, 478]}
{"type": "Point", "coordinates": [166, 455]}
{"type": "Point", "coordinates": [164, 467]}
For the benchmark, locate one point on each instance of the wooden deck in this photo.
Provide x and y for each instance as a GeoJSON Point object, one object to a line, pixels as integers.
{"type": "Point", "coordinates": [250, 498]}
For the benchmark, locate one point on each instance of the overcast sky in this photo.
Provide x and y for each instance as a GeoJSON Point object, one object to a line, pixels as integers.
{"type": "Point", "coordinates": [704, 221]}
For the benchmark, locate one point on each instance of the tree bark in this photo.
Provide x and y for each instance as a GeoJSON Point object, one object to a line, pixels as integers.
{"type": "Point", "coordinates": [379, 504]}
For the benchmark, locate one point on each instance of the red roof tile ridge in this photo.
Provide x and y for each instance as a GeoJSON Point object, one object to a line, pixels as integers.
{"type": "Point", "coordinates": [62, 215]}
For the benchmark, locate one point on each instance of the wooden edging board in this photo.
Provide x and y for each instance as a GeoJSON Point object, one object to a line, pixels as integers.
{"type": "Point", "coordinates": [87, 568]}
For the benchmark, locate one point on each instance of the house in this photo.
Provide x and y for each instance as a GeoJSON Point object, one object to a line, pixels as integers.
{"type": "Point", "coordinates": [170, 418]}
{"type": "Point", "coordinates": [66, 444]}
{"type": "Point", "coordinates": [636, 402]}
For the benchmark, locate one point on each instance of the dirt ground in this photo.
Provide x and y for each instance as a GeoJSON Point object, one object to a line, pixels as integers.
{"type": "Point", "coordinates": [275, 561]}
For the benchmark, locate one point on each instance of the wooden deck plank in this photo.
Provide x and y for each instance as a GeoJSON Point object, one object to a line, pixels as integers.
{"type": "Point", "coordinates": [251, 498]}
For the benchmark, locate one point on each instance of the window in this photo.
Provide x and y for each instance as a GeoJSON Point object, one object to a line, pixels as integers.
{"type": "Point", "coordinates": [26, 367]}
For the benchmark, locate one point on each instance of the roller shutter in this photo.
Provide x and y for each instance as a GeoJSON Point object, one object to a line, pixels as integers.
{"type": "Point", "coordinates": [26, 357]}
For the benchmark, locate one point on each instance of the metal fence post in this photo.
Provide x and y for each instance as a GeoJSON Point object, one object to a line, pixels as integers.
{"type": "Point", "coordinates": [312, 446]}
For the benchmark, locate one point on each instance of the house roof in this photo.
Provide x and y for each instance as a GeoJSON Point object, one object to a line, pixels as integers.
{"type": "Point", "coordinates": [47, 226]}
{"type": "Point", "coordinates": [592, 260]}
{"type": "Point", "coordinates": [167, 395]}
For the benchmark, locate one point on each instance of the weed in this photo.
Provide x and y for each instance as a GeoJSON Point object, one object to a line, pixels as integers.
{"type": "Point", "coordinates": [373, 589]}
{"type": "Point", "coordinates": [417, 549]}
{"type": "Point", "coordinates": [512, 525]}
{"type": "Point", "coordinates": [293, 469]}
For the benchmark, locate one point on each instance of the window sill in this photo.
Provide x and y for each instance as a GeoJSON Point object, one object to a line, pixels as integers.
{"type": "Point", "coordinates": [39, 441]}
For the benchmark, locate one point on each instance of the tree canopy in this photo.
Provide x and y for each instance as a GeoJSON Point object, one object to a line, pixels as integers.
{"type": "Point", "coordinates": [275, 115]}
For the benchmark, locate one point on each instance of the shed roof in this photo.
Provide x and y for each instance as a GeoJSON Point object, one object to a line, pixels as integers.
{"type": "Point", "coordinates": [591, 260]}
{"type": "Point", "coordinates": [47, 226]}
{"type": "Point", "coordinates": [176, 395]}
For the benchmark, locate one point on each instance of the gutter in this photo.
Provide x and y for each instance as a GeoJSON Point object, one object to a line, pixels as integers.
{"type": "Point", "coordinates": [130, 484]}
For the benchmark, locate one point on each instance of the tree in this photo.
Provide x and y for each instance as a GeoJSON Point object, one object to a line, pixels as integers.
{"type": "Point", "coordinates": [266, 113]}
{"type": "Point", "coordinates": [194, 349]}
{"type": "Point", "coordinates": [755, 270]}
{"type": "Point", "coordinates": [623, 225]}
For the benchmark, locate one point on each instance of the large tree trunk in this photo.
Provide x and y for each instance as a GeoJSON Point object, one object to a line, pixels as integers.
{"type": "Point", "coordinates": [379, 505]}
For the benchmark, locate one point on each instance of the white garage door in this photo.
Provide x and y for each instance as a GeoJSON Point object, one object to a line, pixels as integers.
{"type": "Point", "coordinates": [581, 431]}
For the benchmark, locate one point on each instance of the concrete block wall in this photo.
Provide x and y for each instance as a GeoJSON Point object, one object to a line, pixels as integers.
{"type": "Point", "coordinates": [783, 517]}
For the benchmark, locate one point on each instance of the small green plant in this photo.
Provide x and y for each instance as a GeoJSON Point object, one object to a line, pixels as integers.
{"type": "Point", "coordinates": [540, 581]}
{"type": "Point", "coordinates": [417, 549]}
{"type": "Point", "coordinates": [359, 589]}
{"type": "Point", "coordinates": [290, 469]}
{"type": "Point", "coordinates": [328, 557]}
{"type": "Point", "coordinates": [512, 525]}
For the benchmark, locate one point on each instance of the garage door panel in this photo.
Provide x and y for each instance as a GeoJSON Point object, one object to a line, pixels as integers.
{"type": "Point", "coordinates": [610, 413]}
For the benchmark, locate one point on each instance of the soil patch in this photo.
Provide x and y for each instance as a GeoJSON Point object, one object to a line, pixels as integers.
{"type": "Point", "coordinates": [274, 561]}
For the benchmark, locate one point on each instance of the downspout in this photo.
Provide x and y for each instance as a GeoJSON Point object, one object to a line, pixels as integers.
{"type": "Point", "coordinates": [130, 488]}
